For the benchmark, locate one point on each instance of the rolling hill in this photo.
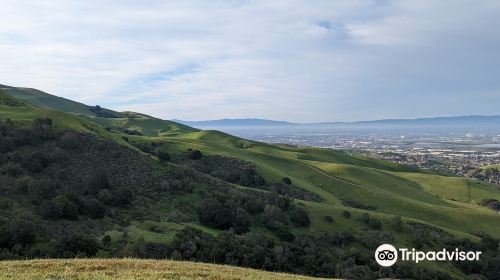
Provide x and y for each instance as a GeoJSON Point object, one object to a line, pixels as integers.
{"type": "Point", "coordinates": [168, 190]}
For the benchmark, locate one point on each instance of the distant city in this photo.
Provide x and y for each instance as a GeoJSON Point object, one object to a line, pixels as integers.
{"type": "Point", "coordinates": [469, 151]}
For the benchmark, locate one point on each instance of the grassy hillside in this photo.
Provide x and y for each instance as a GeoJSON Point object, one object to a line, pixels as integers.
{"type": "Point", "coordinates": [44, 100]}
{"type": "Point", "coordinates": [98, 269]}
{"type": "Point", "coordinates": [144, 124]}
{"type": "Point", "coordinates": [188, 187]}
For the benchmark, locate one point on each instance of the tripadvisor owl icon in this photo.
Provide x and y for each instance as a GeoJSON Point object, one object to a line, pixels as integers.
{"type": "Point", "coordinates": [386, 255]}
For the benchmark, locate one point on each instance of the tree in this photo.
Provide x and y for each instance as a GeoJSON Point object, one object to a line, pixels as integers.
{"type": "Point", "coordinates": [57, 208]}
{"type": "Point", "coordinates": [397, 223]}
{"type": "Point", "coordinates": [122, 196]}
{"type": "Point", "coordinates": [97, 183]}
{"type": "Point", "coordinates": [73, 246]}
{"type": "Point", "coordinates": [196, 154]}
{"type": "Point", "coordinates": [212, 213]}
{"type": "Point", "coordinates": [94, 208]}
{"type": "Point", "coordinates": [241, 221]}
{"type": "Point", "coordinates": [346, 214]}
{"type": "Point", "coordinates": [69, 140]}
{"type": "Point", "coordinates": [17, 231]}
{"type": "Point", "coordinates": [273, 217]}
{"type": "Point", "coordinates": [163, 156]}
{"type": "Point", "coordinates": [7, 144]}
{"type": "Point", "coordinates": [489, 242]}
{"type": "Point", "coordinates": [106, 239]}
{"type": "Point", "coordinates": [300, 217]}
{"type": "Point", "coordinates": [286, 181]}
{"type": "Point", "coordinates": [41, 130]}
{"type": "Point", "coordinates": [328, 219]}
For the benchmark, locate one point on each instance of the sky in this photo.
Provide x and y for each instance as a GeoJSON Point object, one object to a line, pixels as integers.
{"type": "Point", "coordinates": [293, 60]}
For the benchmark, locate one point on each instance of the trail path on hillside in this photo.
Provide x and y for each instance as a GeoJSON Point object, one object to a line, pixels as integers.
{"type": "Point", "coordinates": [321, 172]}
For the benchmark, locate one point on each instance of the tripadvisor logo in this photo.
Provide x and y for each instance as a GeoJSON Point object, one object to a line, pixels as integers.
{"type": "Point", "coordinates": [387, 255]}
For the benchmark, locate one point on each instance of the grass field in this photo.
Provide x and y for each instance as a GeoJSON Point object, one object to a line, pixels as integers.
{"type": "Point", "coordinates": [129, 269]}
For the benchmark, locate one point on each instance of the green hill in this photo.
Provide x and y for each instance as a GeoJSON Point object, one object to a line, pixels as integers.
{"type": "Point", "coordinates": [106, 117]}
{"type": "Point", "coordinates": [130, 185]}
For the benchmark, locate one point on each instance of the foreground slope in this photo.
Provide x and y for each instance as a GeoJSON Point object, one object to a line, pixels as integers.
{"type": "Point", "coordinates": [125, 269]}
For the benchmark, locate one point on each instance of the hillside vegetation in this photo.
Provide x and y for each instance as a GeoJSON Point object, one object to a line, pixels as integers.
{"type": "Point", "coordinates": [123, 184]}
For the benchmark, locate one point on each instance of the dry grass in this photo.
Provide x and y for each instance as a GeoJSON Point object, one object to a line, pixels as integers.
{"type": "Point", "coordinates": [129, 269]}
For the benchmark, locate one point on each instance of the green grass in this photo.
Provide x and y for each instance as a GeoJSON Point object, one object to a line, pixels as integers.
{"type": "Point", "coordinates": [439, 200]}
{"type": "Point", "coordinates": [100, 269]}
{"type": "Point", "coordinates": [42, 99]}
{"type": "Point", "coordinates": [148, 126]}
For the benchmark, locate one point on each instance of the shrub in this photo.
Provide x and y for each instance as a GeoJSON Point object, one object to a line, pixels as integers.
{"type": "Point", "coordinates": [212, 213]}
{"type": "Point", "coordinates": [7, 144]}
{"type": "Point", "coordinates": [328, 219]}
{"type": "Point", "coordinates": [69, 140]}
{"type": "Point", "coordinates": [73, 246]}
{"type": "Point", "coordinates": [273, 217]}
{"type": "Point", "coordinates": [196, 154]}
{"type": "Point", "coordinates": [397, 223]}
{"type": "Point", "coordinates": [17, 231]}
{"type": "Point", "coordinates": [97, 183]}
{"type": "Point", "coordinates": [106, 239]}
{"type": "Point", "coordinates": [299, 216]}
{"type": "Point", "coordinates": [122, 196]}
{"type": "Point", "coordinates": [241, 221]}
{"type": "Point", "coordinates": [94, 208]}
{"type": "Point", "coordinates": [286, 181]}
{"type": "Point", "coordinates": [42, 189]}
{"type": "Point", "coordinates": [346, 214]}
{"type": "Point", "coordinates": [163, 156]}
{"type": "Point", "coordinates": [375, 223]}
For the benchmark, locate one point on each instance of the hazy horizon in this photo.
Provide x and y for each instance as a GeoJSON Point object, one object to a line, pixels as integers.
{"type": "Point", "coordinates": [319, 61]}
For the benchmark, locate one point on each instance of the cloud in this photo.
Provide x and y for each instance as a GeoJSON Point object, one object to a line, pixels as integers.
{"type": "Point", "coordinates": [292, 60]}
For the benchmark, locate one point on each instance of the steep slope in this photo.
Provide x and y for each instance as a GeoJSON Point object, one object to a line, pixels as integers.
{"type": "Point", "coordinates": [42, 99]}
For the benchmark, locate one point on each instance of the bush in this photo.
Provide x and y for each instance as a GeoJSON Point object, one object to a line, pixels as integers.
{"type": "Point", "coordinates": [69, 140]}
{"type": "Point", "coordinates": [163, 156]}
{"type": "Point", "coordinates": [97, 183]}
{"type": "Point", "coordinates": [375, 223]}
{"type": "Point", "coordinates": [122, 196]}
{"type": "Point", "coordinates": [196, 154]}
{"type": "Point", "coordinates": [42, 189]}
{"type": "Point", "coordinates": [106, 239]}
{"type": "Point", "coordinates": [57, 208]}
{"type": "Point", "coordinates": [17, 231]}
{"type": "Point", "coordinates": [74, 246]}
{"type": "Point", "coordinates": [7, 145]}
{"type": "Point", "coordinates": [346, 214]}
{"type": "Point", "coordinates": [286, 181]}
{"type": "Point", "coordinates": [328, 219]}
{"type": "Point", "coordinates": [273, 217]}
{"type": "Point", "coordinates": [212, 213]}
{"type": "Point", "coordinates": [300, 217]}
{"type": "Point", "coordinates": [397, 223]}
{"type": "Point", "coordinates": [94, 208]}
{"type": "Point", "coordinates": [241, 221]}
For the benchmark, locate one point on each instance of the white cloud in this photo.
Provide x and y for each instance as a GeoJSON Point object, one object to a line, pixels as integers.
{"type": "Point", "coordinates": [294, 60]}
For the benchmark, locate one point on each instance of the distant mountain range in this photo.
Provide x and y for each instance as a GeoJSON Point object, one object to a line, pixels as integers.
{"type": "Point", "coordinates": [483, 121]}
{"type": "Point", "coordinates": [235, 122]}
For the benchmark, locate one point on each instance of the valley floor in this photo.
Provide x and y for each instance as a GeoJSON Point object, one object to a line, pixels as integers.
{"type": "Point", "coordinates": [129, 269]}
